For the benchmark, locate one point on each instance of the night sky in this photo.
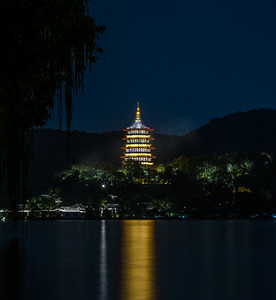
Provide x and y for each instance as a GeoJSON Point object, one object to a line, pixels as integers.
{"type": "Point", "coordinates": [186, 61]}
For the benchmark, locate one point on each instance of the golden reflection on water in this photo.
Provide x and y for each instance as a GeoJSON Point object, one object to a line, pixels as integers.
{"type": "Point", "coordinates": [138, 260]}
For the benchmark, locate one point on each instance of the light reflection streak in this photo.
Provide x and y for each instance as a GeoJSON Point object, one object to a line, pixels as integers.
{"type": "Point", "coordinates": [103, 263]}
{"type": "Point", "coordinates": [138, 261]}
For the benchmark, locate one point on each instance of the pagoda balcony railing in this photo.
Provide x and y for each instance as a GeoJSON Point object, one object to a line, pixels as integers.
{"type": "Point", "coordinates": [129, 154]}
{"type": "Point", "coordinates": [138, 136]}
{"type": "Point", "coordinates": [137, 151]}
{"type": "Point", "coordinates": [146, 158]}
{"type": "Point", "coordinates": [140, 146]}
{"type": "Point", "coordinates": [132, 138]}
{"type": "Point", "coordinates": [137, 141]}
{"type": "Point", "coordinates": [135, 138]}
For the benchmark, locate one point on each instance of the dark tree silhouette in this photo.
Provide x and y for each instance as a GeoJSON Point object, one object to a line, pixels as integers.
{"type": "Point", "coordinates": [45, 47]}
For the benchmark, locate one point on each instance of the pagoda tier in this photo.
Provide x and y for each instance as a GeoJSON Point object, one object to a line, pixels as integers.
{"type": "Point", "coordinates": [138, 142]}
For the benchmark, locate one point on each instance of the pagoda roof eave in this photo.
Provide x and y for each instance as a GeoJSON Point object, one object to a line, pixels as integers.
{"type": "Point", "coordinates": [137, 124]}
{"type": "Point", "coordinates": [130, 128]}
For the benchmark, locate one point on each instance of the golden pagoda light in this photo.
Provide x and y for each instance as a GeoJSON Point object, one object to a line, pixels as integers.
{"type": "Point", "coordinates": [138, 142]}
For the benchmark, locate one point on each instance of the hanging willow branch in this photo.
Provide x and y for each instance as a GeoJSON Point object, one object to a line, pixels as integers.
{"type": "Point", "coordinates": [45, 47]}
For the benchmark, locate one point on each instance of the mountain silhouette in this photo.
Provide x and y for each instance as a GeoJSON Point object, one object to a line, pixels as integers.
{"type": "Point", "coordinates": [252, 131]}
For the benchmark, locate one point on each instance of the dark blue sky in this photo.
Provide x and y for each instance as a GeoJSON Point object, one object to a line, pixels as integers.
{"type": "Point", "coordinates": [186, 61]}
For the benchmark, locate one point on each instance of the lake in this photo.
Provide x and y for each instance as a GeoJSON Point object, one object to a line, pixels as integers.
{"type": "Point", "coordinates": [138, 259]}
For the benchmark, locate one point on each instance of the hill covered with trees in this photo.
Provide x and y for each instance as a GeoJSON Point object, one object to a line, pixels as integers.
{"type": "Point", "coordinates": [224, 168]}
{"type": "Point", "coordinates": [230, 185]}
{"type": "Point", "coordinates": [243, 132]}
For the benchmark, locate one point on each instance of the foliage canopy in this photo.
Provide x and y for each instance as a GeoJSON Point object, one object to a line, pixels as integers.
{"type": "Point", "coordinates": [225, 185]}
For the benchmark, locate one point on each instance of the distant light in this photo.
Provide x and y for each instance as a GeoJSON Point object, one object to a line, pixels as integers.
{"type": "Point", "coordinates": [103, 186]}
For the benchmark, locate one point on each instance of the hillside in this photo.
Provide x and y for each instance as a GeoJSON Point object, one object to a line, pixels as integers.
{"type": "Point", "coordinates": [253, 131]}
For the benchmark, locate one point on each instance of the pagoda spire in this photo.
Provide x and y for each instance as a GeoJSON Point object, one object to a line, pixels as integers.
{"type": "Point", "coordinates": [138, 114]}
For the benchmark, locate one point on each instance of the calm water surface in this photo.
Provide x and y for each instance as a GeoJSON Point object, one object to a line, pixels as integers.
{"type": "Point", "coordinates": [136, 260]}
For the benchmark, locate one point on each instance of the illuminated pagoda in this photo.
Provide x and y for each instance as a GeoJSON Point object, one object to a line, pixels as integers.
{"type": "Point", "coordinates": [138, 142]}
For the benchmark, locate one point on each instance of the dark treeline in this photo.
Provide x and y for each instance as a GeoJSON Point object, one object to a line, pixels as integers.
{"type": "Point", "coordinates": [229, 185]}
